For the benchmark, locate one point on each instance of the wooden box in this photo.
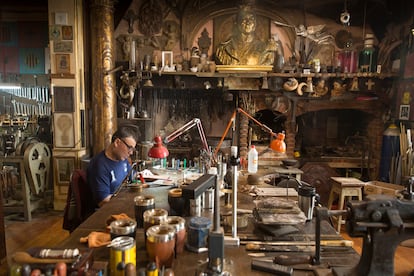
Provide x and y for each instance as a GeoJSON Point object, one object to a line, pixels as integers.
{"type": "Point", "coordinates": [382, 188]}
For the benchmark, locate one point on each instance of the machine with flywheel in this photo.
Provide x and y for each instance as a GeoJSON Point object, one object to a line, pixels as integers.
{"type": "Point", "coordinates": [25, 178]}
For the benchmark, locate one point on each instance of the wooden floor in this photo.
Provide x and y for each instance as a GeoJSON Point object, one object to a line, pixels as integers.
{"type": "Point", "coordinates": [45, 230]}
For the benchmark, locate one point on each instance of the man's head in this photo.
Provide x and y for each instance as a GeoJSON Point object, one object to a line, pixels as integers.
{"type": "Point", "coordinates": [124, 142]}
{"type": "Point", "coordinates": [246, 19]}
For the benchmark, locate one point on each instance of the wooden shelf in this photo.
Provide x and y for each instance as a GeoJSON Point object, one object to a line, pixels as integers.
{"type": "Point", "coordinates": [259, 74]}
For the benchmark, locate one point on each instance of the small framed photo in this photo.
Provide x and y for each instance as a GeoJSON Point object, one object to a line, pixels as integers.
{"type": "Point", "coordinates": [62, 63]}
{"type": "Point", "coordinates": [64, 134]}
{"type": "Point", "coordinates": [167, 60]}
{"type": "Point", "coordinates": [64, 168]}
{"type": "Point", "coordinates": [61, 18]}
{"type": "Point", "coordinates": [67, 33]}
{"type": "Point", "coordinates": [404, 112]}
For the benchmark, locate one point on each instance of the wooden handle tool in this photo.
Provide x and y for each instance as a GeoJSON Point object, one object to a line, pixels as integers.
{"type": "Point", "coordinates": [25, 258]}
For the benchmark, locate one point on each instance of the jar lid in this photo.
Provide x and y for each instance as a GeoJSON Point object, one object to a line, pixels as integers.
{"type": "Point", "coordinates": [160, 233]}
{"type": "Point", "coordinates": [155, 215]}
{"type": "Point", "coordinates": [144, 200]}
{"type": "Point", "coordinates": [123, 226]}
{"type": "Point", "coordinates": [200, 222]}
{"type": "Point", "coordinates": [177, 222]}
{"type": "Point", "coordinates": [123, 243]}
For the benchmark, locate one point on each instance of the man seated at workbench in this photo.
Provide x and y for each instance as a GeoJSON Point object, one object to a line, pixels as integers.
{"type": "Point", "coordinates": [108, 169]}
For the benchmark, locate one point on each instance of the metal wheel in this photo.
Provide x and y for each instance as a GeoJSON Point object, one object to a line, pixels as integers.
{"type": "Point", "coordinates": [37, 158]}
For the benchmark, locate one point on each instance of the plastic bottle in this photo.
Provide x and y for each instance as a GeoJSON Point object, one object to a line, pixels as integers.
{"type": "Point", "coordinates": [253, 160]}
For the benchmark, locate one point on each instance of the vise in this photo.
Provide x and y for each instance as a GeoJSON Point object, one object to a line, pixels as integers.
{"type": "Point", "coordinates": [383, 222]}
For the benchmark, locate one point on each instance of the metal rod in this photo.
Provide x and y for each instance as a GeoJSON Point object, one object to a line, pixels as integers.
{"type": "Point", "coordinates": [114, 70]}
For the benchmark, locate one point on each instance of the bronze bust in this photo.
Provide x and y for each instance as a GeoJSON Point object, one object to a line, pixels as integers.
{"type": "Point", "coordinates": [244, 47]}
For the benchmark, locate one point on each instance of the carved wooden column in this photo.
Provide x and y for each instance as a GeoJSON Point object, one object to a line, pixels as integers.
{"type": "Point", "coordinates": [103, 97]}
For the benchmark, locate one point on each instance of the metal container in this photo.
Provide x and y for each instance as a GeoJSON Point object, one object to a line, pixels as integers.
{"type": "Point", "coordinates": [161, 244]}
{"type": "Point", "coordinates": [197, 234]}
{"type": "Point", "coordinates": [176, 201]}
{"type": "Point", "coordinates": [179, 225]}
{"type": "Point", "coordinates": [143, 203]}
{"type": "Point", "coordinates": [306, 201]}
{"type": "Point", "coordinates": [154, 217]}
{"type": "Point", "coordinates": [123, 227]}
{"type": "Point", "coordinates": [121, 255]}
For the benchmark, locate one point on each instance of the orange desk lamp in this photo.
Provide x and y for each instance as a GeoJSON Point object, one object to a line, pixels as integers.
{"type": "Point", "coordinates": [160, 151]}
{"type": "Point", "coordinates": [278, 144]}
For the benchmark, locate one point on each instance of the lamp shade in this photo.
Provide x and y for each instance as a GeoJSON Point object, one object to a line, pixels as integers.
{"type": "Point", "coordinates": [158, 150]}
{"type": "Point", "coordinates": [279, 144]}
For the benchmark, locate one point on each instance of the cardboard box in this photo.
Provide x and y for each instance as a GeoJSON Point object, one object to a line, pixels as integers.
{"type": "Point", "coordinates": [383, 188]}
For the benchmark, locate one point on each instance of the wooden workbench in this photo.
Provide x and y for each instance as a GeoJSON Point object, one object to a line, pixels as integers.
{"type": "Point", "coordinates": [237, 260]}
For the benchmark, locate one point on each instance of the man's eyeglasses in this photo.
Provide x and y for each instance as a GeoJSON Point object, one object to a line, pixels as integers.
{"type": "Point", "coordinates": [130, 148]}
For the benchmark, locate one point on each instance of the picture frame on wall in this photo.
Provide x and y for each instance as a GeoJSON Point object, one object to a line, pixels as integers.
{"type": "Point", "coordinates": [64, 134]}
{"type": "Point", "coordinates": [404, 112]}
{"type": "Point", "coordinates": [67, 33]}
{"type": "Point", "coordinates": [167, 60]}
{"type": "Point", "coordinates": [64, 167]}
{"type": "Point", "coordinates": [63, 46]}
{"type": "Point", "coordinates": [62, 63]}
{"type": "Point", "coordinates": [64, 99]}
{"type": "Point", "coordinates": [61, 18]}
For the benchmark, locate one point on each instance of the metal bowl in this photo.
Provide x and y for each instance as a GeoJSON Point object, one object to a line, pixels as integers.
{"type": "Point", "coordinates": [289, 162]}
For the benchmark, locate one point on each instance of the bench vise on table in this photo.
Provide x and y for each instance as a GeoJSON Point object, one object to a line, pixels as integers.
{"type": "Point", "coordinates": [383, 222]}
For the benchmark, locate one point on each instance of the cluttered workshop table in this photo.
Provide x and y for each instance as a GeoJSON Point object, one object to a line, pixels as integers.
{"type": "Point", "coordinates": [270, 231]}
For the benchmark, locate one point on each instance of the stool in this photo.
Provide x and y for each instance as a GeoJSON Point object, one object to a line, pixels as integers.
{"type": "Point", "coordinates": [344, 188]}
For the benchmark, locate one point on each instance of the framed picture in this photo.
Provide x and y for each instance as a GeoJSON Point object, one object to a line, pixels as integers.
{"type": "Point", "coordinates": [62, 46]}
{"type": "Point", "coordinates": [61, 18]}
{"type": "Point", "coordinates": [167, 60]}
{"type": "Point", "coordinates": [64, 99]}
{"type": "Point", "coordinates": [64, 134]}
{"type": "Point", "coordinates": [64, 168]}
{"type": "Point", "coordinates": [404, 112]}
{"type": "Point", "coordinates": [55, 32]}
{"type": "Point", "coordinates": [62, 63]}
{"type": "Point", "coordinates": [67, 33]}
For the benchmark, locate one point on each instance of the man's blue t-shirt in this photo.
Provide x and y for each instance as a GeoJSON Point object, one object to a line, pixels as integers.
{"type": "Point", "coordinates": [105, 175]}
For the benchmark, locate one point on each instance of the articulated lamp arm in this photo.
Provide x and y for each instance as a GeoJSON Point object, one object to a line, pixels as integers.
{"type": "Point", "coordinates": [160, 151]}
{"type": "Point", "coordinates": [263, 126]}
{"type": "Point", "coordinates": [185, 128]}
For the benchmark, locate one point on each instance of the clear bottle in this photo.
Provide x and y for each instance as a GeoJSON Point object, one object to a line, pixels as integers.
{"type": "Point", "coordinates": [253, 160]}
{"type": "Point", "coordinates": [367, 61]}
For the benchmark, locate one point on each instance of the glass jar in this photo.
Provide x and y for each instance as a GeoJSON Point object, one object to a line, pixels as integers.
{"type": "Point", "coordinates": [367, 61]}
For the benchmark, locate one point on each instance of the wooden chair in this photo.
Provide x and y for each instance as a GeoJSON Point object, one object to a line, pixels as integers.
{"type": "Point", "coordinates": [79, 202]}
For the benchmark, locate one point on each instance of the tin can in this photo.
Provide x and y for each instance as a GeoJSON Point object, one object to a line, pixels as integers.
{"type": "Point", "coordinates": [161, 244]}
{"type": "Point", "coordinates": [122, 252]}
{"type": "Point", "coordinates": [143, 203]}
{"type": "Point", "coordinates": [197, 234]}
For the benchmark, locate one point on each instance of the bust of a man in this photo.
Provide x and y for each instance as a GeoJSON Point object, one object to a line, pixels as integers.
{"type": "Point", "coordinates": [244, 47]}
